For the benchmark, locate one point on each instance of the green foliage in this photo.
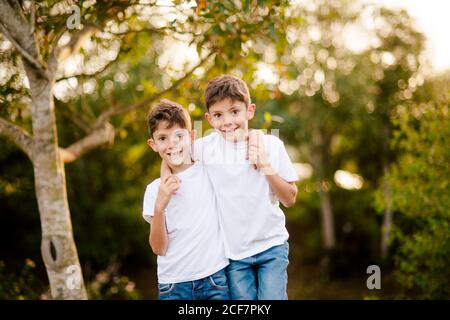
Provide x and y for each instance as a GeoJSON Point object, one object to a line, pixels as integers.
{"type": "Point", "coordinates": [21, 284]}
{"type": "Point", "coordinates": [420, 195]}
{"type": "Point", "coordinates": [326, 100]}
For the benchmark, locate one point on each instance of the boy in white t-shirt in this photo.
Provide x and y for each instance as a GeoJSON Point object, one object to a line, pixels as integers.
{"type": "Point", "coordinates": [182, 211]}
{"type": "Point", "coordinates": [250, 173]}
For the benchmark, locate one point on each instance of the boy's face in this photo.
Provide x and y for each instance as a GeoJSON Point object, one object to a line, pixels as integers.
{"type": "Point", "coordinates": [173, 144]}
{"type": "Point", "coordinates": [230, 118]}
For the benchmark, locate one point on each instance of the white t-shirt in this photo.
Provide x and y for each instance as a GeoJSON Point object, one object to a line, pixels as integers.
{"type": "Point", "coordinates": [250, 215]}
{"type": "Point", "coordinates": [195, 248]}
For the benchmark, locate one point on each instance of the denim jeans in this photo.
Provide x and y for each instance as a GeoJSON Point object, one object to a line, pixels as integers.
{"type": "Point", "coordinates": [260, 277]}
{"type": "Point", "coordinates": [214, 287]}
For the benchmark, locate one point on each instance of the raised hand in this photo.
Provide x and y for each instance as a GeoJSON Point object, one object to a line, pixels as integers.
{"type": "Point", "coordinates": [257, 153]}
{"type": "Point", "coordinates": [167, 188]}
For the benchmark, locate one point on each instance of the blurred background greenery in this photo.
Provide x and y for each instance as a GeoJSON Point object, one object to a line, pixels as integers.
{"type": "Point", "coordinates": [367, 126]}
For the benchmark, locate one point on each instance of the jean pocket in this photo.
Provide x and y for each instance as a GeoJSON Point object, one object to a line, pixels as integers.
{"type": "Point", "coordinates": [165, 288]}
{"type": "Point", "coordinates": [219, 280]}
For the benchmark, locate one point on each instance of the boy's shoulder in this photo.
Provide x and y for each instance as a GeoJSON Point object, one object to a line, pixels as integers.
{"type": "Point", "coordinates": [272, 142]}
{"type": "Point", "coordinates": [270, 138]}
{"type": "Point", "coordinates": [152, 187]}
{"type": "Point", "coordinates": [207, 138]}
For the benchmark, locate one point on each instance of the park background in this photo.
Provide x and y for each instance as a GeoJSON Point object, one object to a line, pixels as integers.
{"type": "Point", "coordinates": [349, 85]}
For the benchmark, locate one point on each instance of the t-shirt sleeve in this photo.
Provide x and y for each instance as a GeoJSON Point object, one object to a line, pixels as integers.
{"type": "Point", "coordinates": [281, 161]}
{"type": "Point", "coordinates": [149, 202]}
{"type": "Point", "coordinates": [286, 169]}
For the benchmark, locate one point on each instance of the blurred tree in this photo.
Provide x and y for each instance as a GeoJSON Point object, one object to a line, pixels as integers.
{"type": "Point", "coordinates": [398, 52]}
{"type": "Point", "coordinates": [325, 85]}
{"type": "Point", "coordinates": [419, 182]}
{"type": "Point", "coordinates": [334, 95]}
{"type": "Point", "coordinates": [52, 38]}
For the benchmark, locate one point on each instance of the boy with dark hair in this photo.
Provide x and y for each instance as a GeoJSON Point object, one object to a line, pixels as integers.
{"type": "Point", "coordinates": [182, 211]}
{"type": "Point", "coordinates": [253, 225]}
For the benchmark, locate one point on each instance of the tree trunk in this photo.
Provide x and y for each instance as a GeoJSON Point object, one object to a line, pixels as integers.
{"type": "Point", "coordinates": [329, 240]}
{"type": "Point", "coordinates": [326, 209]}
{"type": "Point", "coordinates": [387, 218]}
{"type": "Point", "coordinates": [387, 214]}
{"type": "Point", "coordinates": [58, 247]}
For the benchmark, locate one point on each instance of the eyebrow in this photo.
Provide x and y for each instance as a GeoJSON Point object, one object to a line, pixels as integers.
{"type": "Point", "coordinates": [158, 135]}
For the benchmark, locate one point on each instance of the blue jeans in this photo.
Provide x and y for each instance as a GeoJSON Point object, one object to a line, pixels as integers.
{"type": "Point", "coordinates": [260, 277]}
{"type": "Point", "coordinates": [214, 287]}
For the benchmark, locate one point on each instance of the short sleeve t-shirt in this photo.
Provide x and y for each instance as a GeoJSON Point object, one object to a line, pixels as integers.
{"type": "Point", "coordinates": [250, 216]}
{"type": "Point", "coordinates": [195, 247]}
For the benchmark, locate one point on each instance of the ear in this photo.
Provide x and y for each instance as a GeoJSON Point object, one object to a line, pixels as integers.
{"type": "Point", "coordinates": [151, 144]}
{"type": "Point", "coordinates": [208, 117]}
{"type": "Point", "coordinates": [251, 111]}
{"type": "Point", "coordinates": [193, 135]}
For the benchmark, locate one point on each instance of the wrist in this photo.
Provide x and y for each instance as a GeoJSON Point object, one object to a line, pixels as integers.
{"type": "Point", "coordinates": [267, 169]}
{"type": "Point", "coordinates": [159, 209]}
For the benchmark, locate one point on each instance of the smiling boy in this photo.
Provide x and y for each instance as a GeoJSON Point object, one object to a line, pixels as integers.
{"type": "Point", "coordinates": [182, 212]}
{"type": "Point", "coordinates": [255, 236]}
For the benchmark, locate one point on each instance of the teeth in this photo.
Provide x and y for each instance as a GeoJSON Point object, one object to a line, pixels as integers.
{"type": "Point", "coordinates": [175, 153]}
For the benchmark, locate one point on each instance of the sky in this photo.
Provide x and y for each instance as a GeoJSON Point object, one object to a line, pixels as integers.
{"type": "Point", "coordinates": [433, 19]}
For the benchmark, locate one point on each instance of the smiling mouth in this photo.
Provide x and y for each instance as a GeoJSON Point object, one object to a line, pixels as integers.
{"type": "Point", "coordinates": [229, 130]}
{"type": "Point", "coordinates": [175, 153]}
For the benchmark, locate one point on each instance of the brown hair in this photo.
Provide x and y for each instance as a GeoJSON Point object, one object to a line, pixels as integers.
{"type": "Point", "coordinates": [226, 86]}
{"type": "Point", "coordinates": [169, 111]}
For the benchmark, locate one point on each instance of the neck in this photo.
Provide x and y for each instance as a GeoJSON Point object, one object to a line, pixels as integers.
{"type": "Point", "coordinates": [242, 136]}
{"type": "Point", "coordinates": [181, 167]}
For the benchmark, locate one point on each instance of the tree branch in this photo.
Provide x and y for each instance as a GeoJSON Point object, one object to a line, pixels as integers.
{"type": "Point", "coordinates": [17, 30]}
{"type": "Point", "coordinates": [152, 30]}
{"type": "Point", "coordinates": [32, 16]}
{"type": "Point", "coordinates": [23, 52]}
{"type": "Point", "coordinates": [90, 75]}
{"type": "Point", "coordinates": [115, 110]}
{"type": "Point", "coordinates": [18, 136]}
{"type": "Point", "coordinates": [95, 139]}
{"type": "Point", "coordinates": [149, 30]}
{"type": "Point", "coordinates": [74, 44]}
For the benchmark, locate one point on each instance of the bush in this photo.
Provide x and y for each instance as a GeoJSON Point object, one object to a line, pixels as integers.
{"type": "Point", "coordinates": [22, 284]}
{"type": "Point", "coordinates": [420, 184]}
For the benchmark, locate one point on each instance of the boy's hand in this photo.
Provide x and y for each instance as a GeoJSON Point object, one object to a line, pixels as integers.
{"type": "Point", "coordinates": [257, 154]}
{"type": "Point", "coordinates": [167, 189]}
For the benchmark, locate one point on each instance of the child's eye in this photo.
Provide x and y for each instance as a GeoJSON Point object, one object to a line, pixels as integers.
{"type": "Point", "coordinates": [217, 115]}
{"type": "Point", "coordinates": [180, 135]}
{"type": "Point", "coordinates": [162, 138]}
{"type": "Point", "coordinates": [234, 112]}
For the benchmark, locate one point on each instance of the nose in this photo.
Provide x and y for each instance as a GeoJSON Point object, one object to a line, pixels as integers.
{"type": "Point", "coordinates": [173, 140]}
{"type": "Point", "coordinates": [227, 120]}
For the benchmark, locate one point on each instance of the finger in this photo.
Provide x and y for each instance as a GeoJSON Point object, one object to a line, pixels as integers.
{"type": "Point", "coordinates": [173, 183]}
{"type": "Point", "coordinates": [174, 189]}
{"type": "Point", "coordinates": [169, 187]}
{"type": "Point", "coordinates": [167, 178]}
{"type": "Point", "coordinates": [253, 137]}
{"type": "Point", "coordinates": [172, 178]}
{"type": "Point", "coordinates": [177, 179]}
